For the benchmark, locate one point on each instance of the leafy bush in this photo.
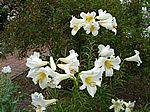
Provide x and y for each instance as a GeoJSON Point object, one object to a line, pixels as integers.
{"type": "Point", "coordinates": [8, 103]}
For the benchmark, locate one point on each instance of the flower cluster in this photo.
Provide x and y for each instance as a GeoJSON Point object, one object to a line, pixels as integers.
{"type": "Point", "coordinates": [106, 62]}
{"type": "Point", "coordinates": [44, 72]}
{"type": "Point", "coordinates": [120, 104]}
{"type": "Point", "coordinates": [89, 23]}
{"type": "Point", "coordinates": [41, 73]}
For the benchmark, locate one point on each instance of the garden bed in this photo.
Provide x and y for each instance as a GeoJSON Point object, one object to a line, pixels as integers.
{"type": "Point", "coordinates": [136, 88]}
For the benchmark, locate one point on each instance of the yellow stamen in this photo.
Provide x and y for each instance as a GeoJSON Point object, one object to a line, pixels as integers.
{"type": "Point", "coordinates": [72, 69]}
{"type": "Point", "coordinates": [92, 28]}
{"type": "Point", "coordinates": [108, 63]}
{"type": "Point", "coordinates": [75, 27]}
{"type": "Point", "coordinates": [90, 82]}
{"type": "Point", "coordinates": [117, 105]}
{"type": "Point", "coordinates": [93, 84]}
{"type": "Point", "coordinates": [89, 18]}
{"type": "Point", "coordinates": [42, 76]}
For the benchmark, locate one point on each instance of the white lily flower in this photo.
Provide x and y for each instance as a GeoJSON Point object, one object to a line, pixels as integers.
{"type": "Point", "coordinates": [53, 84]}
{"type": "Point", "coordinates": [109, 24]}
{"type": "Point", "coordinates": [103, 15]}
{"type": "Point", "coordinates": [90, 79]}
{"type": "Point", "coordinates": [109, 64]}
{"type": "Point", "coordinates": [129, 106]}
{"type": "Point", "coordinates": [34, 61]}
{"type": "Point", "coordinates": [76, 24]}
{"type": "Point", "coordinates": [60, 77]}
{"type": "Point", "coordinates": [114, 24]}
{"type": "Point", "coordinates": [69, 68]}
{"type": "Point", "coordinates": [135, 58]}
{"type": "Point", "coordinates": [105, 51]}
{"type": "Point", "coordinates": [32, 73]}
{"type": "Point", "coordinates": [117, 105]}
{"type": "Point", "coordinates": [92, 27]}
{"type": "Point", "coordinates": [6, 69]}
{"type": "Point", "coordinates": [89, 17]}
{"type": "Point", "coordinates": [71, 58]}
{"type": "Point", "coordinates": [72, 63]}
{"type": "Point", "coordinates": [40, 103]}
{"type": "Point", "coordinates": [41, 76]}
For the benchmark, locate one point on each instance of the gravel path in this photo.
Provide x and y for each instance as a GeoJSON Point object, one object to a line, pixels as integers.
{"type": "Point", "coordinates": [17, 65]}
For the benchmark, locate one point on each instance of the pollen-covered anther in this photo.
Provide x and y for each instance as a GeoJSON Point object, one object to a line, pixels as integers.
{"type": "Point", "coordinates": [42, 76]}
{"type": "Point", "coordinates": [108, 63]}
{"type": "Point", "coordinates": [89, 81]}
{"type": "Point", "coordinates": [89, 18]}
{"type": "Point", "coordinates": [93, 84]}
{"type": "Point", "coordinates": [72, 71]}
{"type": "Point", "coordinates": [92, 28]}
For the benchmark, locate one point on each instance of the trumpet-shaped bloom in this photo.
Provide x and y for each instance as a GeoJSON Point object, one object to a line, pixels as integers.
{"type": "Point", "coordinates": [114, 25]}
{"type": "Point", "coordinates": [52, 84]}
{"type": "Point", "coordinates": [69, 68]}
{"type": "Point", "coordinates": [40, 103]}
{"type": "Point", "coordinates": [109, 64]}
{"type": "Point", "coordinates": [135, 58]}
{"type": "Point", "coordinates": [89, 17]}
{"type": "Point", "coordinates": [110, 24]}
{"type": "Point", "coordinates": [129, 106]}
{"type": "Point", "coordinates": [117, 105]}
{"type": "Point", "coordinates": [71, 58]}
{"type": "Point", "coordinates": [76, 24]}
{"type": "Point", "coordinates": [92, 27]}
{"type": "Point", "coordinates": [34, 61]}
{"type": "Point", "coordinates": [72, 63]}
{"type": "Point", "coordinates": [103, 15]}
{"type": "Point", "coordinates": [6, 69]}
{"type": "Point", "coordinates": [60, 77]}
{"type": "Point", "coordinates": [41, 76]}
{"type": "Point", "coordinates": [52, 63]}
{"type": "Point", "coordinates": [105, 51]}
{"type": "Point", "coordinates": [90, 79]}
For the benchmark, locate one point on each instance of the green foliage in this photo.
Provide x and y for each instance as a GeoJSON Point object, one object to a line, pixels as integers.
{"type": "Point", "coordinates": [8, 103]}
{"type": "Point", "coordinates": [144, 109]}
{"type": "Point", "coordinates": [74, 100]}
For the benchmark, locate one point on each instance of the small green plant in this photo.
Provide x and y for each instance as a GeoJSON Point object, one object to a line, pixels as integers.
{"type": "Point", "coordinates": [8, 102]}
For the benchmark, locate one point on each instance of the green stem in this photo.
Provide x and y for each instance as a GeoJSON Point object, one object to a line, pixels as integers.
{"type": "Point", "coordinates": [110, 83]}
{"type": "Point", "coordinates": [122, 63]}
{"type": "Point", "coordinates": [75, 93]}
